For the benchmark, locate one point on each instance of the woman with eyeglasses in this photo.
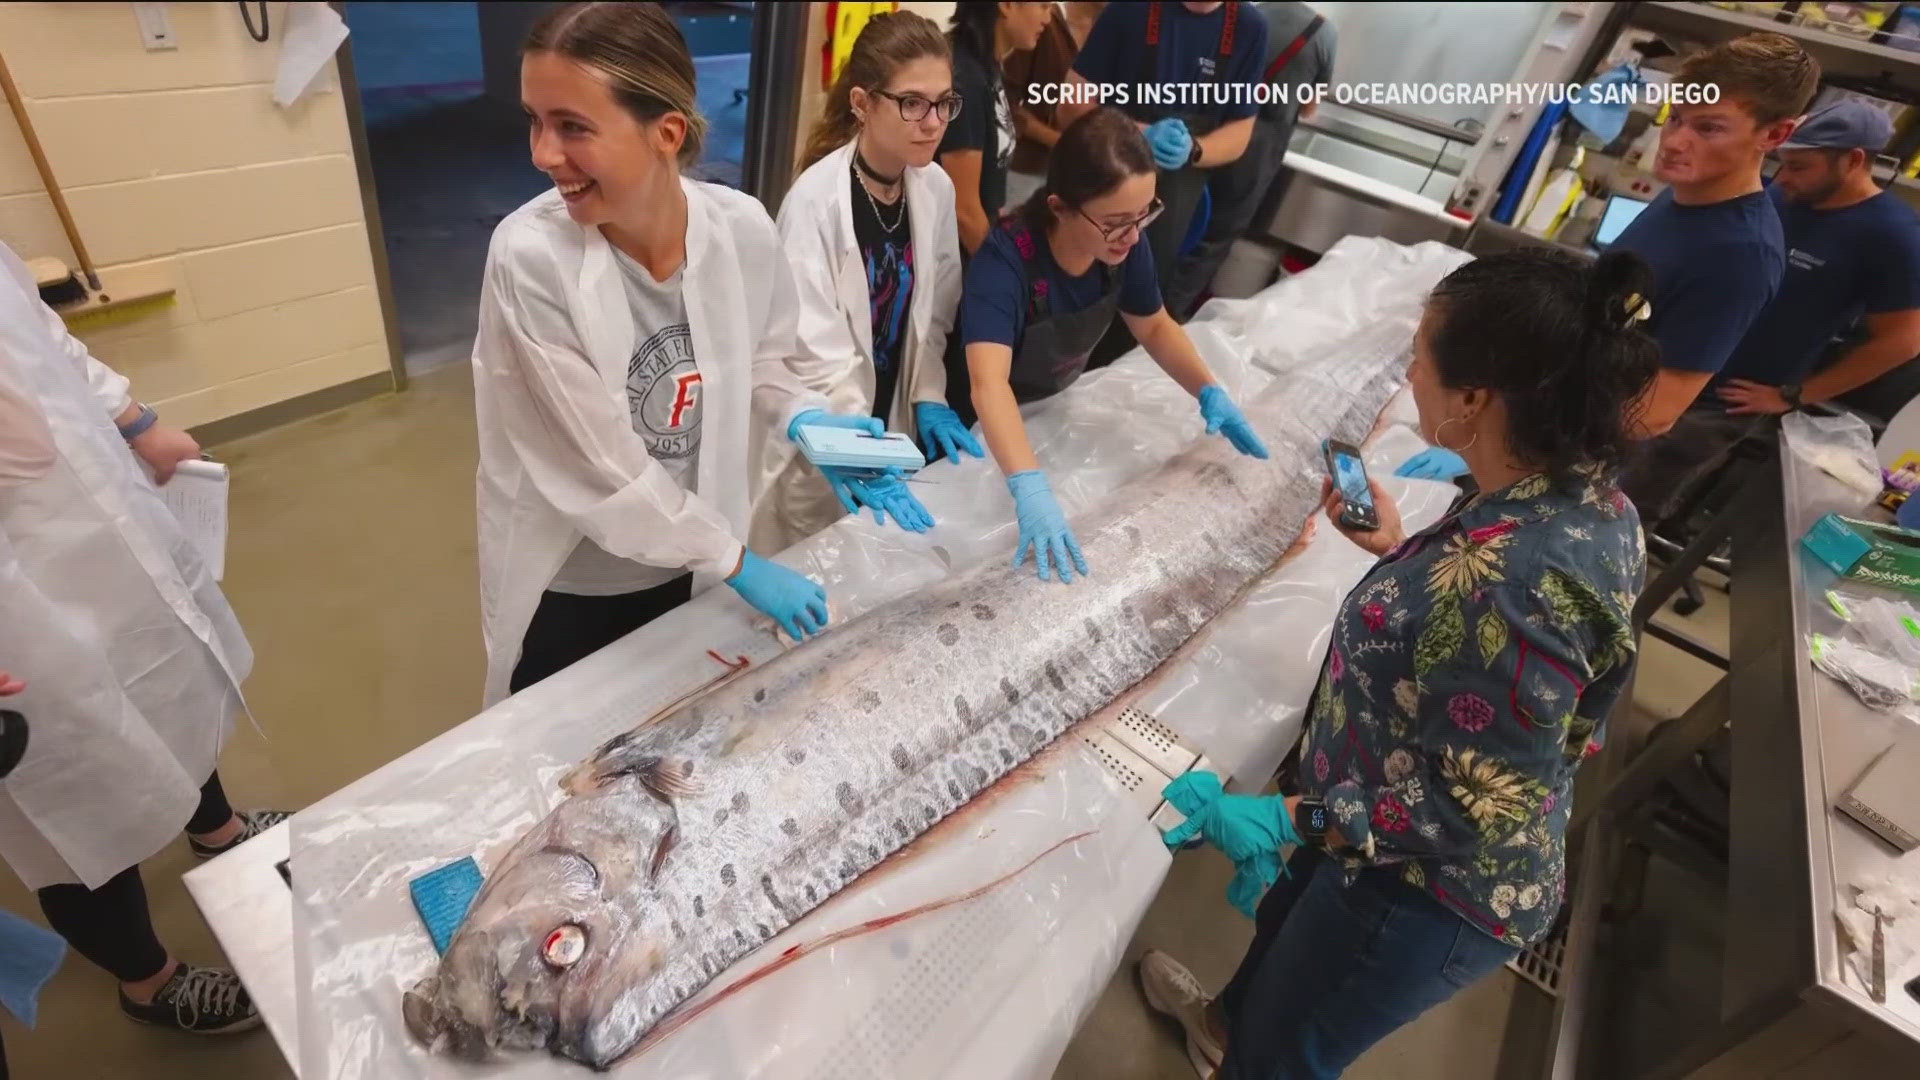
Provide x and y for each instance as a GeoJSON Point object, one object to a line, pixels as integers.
{"type": "Point", "coordinates": [870, 223]}
{"type": "Point", "coordinates": [1041, 292]}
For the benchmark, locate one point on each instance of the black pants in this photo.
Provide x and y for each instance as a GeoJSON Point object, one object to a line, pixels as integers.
{"type": "Point", "coordinates": [110, 925]}
{"type": "Point", "coordinates": [1661, 472]}
{"type": "Point", "coordinates": [567, 628]}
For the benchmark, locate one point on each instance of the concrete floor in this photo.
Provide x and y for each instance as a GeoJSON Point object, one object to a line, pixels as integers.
{"type": "Point", "coordinates": [352, 566]}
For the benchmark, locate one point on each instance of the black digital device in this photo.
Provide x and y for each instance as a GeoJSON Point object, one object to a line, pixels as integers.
{"type": "Point", "coordinates": [1349, 475]}
{"type": "Point", "coordinates": [1310, 819]}
{"type": "Point", "coordinates": [13, 740]}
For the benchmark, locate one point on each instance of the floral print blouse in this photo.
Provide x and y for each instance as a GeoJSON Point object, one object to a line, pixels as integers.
{"type": "Point", "coordinates": [1468, 676]}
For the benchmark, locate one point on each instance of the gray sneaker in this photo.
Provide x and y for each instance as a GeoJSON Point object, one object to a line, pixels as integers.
{"type": "Point", "coordinates": [203, 1001]}
{"type": "Point", "coordinates": [1171, 989]}
{"type": "Point", "coordinates": [252, 824]}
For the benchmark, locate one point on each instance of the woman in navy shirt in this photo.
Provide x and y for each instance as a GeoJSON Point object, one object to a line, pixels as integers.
{"type": "Point", "coordinates": [1041, 292]}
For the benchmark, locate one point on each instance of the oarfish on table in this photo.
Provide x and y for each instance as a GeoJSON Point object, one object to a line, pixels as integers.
{"type": "Point", "coordinates": [687, 842]}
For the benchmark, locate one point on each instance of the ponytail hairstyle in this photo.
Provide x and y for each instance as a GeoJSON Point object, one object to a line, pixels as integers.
{"type": "Point", "coordinates": [1559, 341]}
{"type": "Point", "coordinates": [641, 53]}
{"type": "Point", "coordinates": [887, 43]}
{"type": "Point", "coordinates": [971, 29]}
{"type": "Point", "coordinates": [1096, 154]}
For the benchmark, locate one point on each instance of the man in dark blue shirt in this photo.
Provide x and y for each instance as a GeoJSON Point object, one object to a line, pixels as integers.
{"type": "Point", "coordinates": [1714, 243]}
{"type": "Point", "coordinates": [1210, 53]}
{"type": "Point", "coordinates": [1853, 250]}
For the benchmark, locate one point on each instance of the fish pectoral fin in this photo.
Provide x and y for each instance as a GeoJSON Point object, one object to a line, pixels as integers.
{"type": "Point", "coordinates": [667, 841]}
{"type": "Point", "coordinates": [669, 780]}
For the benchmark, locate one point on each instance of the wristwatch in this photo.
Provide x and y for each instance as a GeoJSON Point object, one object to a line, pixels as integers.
{"type": "Point", "coordinates": [1310, 819]}
{"type": "Point", "coordinates": [140, 424]}
{"type": "Point", "coordinates": [1193, 155]}
{"type": "Point", "coordinates": [1791, 393]}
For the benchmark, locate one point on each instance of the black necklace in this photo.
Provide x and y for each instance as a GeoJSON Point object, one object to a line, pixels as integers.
{"type": "Point", "coordinates": [899, 215]}
{"type": "Point", "coordinates": [860, 162]}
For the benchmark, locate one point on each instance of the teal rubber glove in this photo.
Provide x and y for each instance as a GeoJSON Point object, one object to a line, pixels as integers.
{"type": "Point", "coordinates": [1223, 417]}
{"type": "Point", "coordinates": [1433, 463]}
{"type": "Point", "coordinates": [1170, 142]}
{"type": "Point", "coordinates": [790, 599]}
{"type": "Point", "coordinates": [1043, 528]}
{"type": "Point", "coordinates": [884, 493]}
{"type": "Point", "coordinates": [823, 418]}
{"type": "Point", "coordinates": [943, 433]}
{"type": "Point", "coordinates": [1248, 829]}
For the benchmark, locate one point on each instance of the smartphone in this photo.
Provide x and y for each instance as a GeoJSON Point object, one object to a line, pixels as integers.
{"type": "Point", "coordinates": [1349, 475]}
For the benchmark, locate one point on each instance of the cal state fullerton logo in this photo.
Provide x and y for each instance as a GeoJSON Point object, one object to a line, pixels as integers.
{"type": "Point", "coordinates": [663, 393]}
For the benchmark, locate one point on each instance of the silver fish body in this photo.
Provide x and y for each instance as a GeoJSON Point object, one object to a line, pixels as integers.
{"type": "Point", "coordinates": [689, 841]}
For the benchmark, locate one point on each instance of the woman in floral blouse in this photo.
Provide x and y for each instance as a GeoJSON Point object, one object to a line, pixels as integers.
{"type": "Point", "coordinates": [1468, 676]}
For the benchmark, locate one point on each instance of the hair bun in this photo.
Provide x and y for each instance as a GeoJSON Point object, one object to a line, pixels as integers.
{"type": "Point", "coordinates": [1617, 291]}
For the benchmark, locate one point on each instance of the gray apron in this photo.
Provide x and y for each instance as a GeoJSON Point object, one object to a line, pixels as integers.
{"type": "Point", "coordinates": [1053, 348]}
{"type": "Point", "coordinates": [1179, 189]}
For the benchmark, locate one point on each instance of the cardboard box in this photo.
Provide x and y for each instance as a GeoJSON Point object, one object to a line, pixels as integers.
{"type": "Point", "coordinates": [1866, 551]}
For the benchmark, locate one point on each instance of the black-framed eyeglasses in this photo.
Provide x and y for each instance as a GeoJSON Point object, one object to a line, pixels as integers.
{"type": "Point", "coordinates": [914, 108]}
{"type": "Point", "coordinates": [1111, 233]}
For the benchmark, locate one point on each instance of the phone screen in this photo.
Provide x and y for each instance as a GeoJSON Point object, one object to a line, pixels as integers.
{"type": "Point", "coordinates": [1350, 476]}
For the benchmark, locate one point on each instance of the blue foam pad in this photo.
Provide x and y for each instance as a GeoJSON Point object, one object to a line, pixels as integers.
{"type": "Point", "coordinates": [442, 897]}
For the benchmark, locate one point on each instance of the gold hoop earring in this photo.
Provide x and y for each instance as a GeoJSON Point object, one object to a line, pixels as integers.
{"type": "Point", "coordinates": [1442, 444]}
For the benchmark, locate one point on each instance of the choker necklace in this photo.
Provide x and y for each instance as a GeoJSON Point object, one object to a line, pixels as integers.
{"type": "Point", "coordinates": [899, 214]}
{"type": "Point", "coordinates": [860, 162]}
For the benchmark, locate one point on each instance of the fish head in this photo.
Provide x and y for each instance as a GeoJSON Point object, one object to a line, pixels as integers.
{"type": "Point", "coordinates": [552, 949]}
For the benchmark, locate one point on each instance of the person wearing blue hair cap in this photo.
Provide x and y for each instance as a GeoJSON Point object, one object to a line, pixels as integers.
{"type": "Point", "coordinates": [1853, 253]}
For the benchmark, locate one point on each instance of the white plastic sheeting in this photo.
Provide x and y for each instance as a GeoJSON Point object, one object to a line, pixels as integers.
{"type": "Point", "coordinates": [995, 983]}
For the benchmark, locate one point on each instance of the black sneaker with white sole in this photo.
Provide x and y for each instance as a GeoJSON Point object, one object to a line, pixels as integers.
{"type": "Point", "coordinates": [202, 1001]}
{"type": "Point", "coordinates": [252, 824]}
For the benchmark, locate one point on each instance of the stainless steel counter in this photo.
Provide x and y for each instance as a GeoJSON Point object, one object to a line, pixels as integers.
{"type": "Point", "coordinates": [1840, 737]}
{"type": "Point", "coordinates": [1788, 1004]}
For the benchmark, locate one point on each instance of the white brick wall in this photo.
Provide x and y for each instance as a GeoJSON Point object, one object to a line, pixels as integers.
{"type": "Point", "coordinates": [181, 170]}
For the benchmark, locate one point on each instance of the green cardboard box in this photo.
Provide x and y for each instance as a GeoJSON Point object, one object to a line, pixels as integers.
{"type": "Point", "coordinates": [1867, 551]}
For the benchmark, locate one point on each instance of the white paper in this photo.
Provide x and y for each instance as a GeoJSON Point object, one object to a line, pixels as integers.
{"type": "Point", "coordinates": [313, 34]}
{"type": "Point", "coordinates": [197, 495]}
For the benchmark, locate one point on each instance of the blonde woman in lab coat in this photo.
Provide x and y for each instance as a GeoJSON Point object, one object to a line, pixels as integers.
{"type": "Point", "coordinates": [631, 322]}
{"type": "Point", "coordinates": [122, 654]}
{"type": "Point", "coordinates": [871, 221]}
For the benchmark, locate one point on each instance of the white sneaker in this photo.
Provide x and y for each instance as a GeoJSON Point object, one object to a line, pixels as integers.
{"type": "Point", "coordinates": [1171, 989]}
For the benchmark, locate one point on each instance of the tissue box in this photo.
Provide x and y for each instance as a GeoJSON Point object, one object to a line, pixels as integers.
{"type": "Point", "coordinates": [1866, 551]}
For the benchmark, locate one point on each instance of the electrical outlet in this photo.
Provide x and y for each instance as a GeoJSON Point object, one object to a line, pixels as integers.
{"type": "Point", "coordinates": [156, 29]}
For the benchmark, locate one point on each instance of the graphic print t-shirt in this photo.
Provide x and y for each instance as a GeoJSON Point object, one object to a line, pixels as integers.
{"type": "Point", "coordinates": [664, 403]}
{"type": "Point", "coordinates": [985, 124]}
{"type": "Point", "coordinates": [887, 255]}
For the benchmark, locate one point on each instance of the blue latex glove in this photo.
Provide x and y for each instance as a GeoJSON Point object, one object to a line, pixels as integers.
{"type": "Point", "coordinates": [1433, 463]}
{"type": "Point", "coordinates": [792, 600]}
{"type": "Point", "coordinates": [1043, 528]}
{"type": "Point", "coordinates": [1170, 141]}
{"type": "Point", "coordinates": [1248, 829]}
{"type": "Point", "coordinates": [823, 418]}
{"type": "Point", "coordinates": [29, 955]}
{"type": "Point", "coordinates": [1223, 417]}
{"type": "Point", "coordinates": [943, 433]}
{"type": "Point", "coordinates": [884, 494]}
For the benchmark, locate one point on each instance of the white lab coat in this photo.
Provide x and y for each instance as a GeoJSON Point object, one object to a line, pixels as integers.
{"type": "Point", "coordinates": [836, 321]}
{"type": "Point", "coordinates": [132, 658]}
{"type": "Point", "coordinates": [559, 458]}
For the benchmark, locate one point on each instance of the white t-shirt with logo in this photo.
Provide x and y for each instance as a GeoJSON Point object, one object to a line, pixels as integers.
{"type": "Point", "coordinates": [663, 398]}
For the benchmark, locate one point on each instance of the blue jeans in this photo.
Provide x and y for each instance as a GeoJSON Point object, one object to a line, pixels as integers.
{"type": "Point", "coordinates": [1334, 968]}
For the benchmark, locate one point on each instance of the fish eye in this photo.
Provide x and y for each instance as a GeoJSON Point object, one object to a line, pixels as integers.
{"type": "Point", "coordinates": [565, 946]}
